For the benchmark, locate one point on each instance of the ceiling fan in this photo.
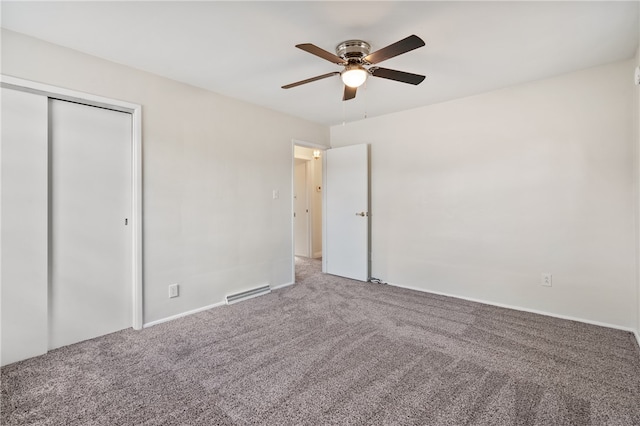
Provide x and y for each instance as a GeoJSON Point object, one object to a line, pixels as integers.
{"type": "Point", "coordinates": [355, 57]}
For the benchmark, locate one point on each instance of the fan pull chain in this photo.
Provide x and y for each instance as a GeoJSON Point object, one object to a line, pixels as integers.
{"type": "Point", "coordinates": [365, 100]}
{"type": "Point", "coordinates": [344, 114]}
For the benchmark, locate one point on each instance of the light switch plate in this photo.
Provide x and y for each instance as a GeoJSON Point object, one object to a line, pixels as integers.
{"type": "Point", "coordinates": [173, 291]}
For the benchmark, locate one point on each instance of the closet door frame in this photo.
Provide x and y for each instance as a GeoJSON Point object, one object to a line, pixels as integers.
{"type": "Point", "coordinates": [136, 139]}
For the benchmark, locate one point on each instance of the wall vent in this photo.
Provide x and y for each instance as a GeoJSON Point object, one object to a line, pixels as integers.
{"type": "Point", "coordinates": [258, 291]}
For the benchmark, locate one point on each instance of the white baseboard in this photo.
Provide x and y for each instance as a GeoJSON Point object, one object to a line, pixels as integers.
{"type": "Point", "coordinates": [183, 314]}
{"type": "Point", "coordinates": [519, 308]}
{"type": "Point", "coordinates": [204, 308]}
{"type": "Point", "coordinates": [282, 285]}
{"type": "Point", "coordinates": [317, 255]}
{"type": "Point", "coordinates": [471, 299]}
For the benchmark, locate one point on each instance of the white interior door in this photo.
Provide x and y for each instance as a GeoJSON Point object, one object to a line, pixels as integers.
{"type": "Point", "coordinates": [301, 209]}
{"type": "Point", "coordinates": [347, 212]}
{"type": "Point", "coordinates": [23, 238]}
{"type": "Point", "coordinates": [90, 235]}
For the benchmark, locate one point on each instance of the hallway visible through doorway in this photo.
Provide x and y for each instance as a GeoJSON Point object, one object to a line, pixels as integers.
{"type": "Point", "coordinates": [307, 202]}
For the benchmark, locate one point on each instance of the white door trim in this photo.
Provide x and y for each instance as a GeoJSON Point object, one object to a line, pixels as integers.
{"type": "Point", "coordinates": [136, 139]}
{"type": "Point", "coordinates": [295, 142]}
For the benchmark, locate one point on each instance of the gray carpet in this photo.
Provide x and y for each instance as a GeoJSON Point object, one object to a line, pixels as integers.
{"type": "Point", "coordinates": [335, 351]}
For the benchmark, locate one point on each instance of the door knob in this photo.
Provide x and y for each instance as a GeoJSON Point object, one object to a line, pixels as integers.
{"type": "Point", "coordinates": [363, 214]}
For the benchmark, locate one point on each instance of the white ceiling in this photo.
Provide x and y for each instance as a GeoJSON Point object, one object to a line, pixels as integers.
{"type": "Point", "coordinates": [246, 50]}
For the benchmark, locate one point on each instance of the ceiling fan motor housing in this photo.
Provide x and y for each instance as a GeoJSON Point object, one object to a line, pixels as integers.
{"type": "Point", "coordinates": [353, 50]}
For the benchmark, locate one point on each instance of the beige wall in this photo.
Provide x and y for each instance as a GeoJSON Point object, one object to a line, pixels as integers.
{"type": "Point", "coordinates": [478, 196]}
{"type": "Point", "coordinates": [210, 164]}
{"type": "Point", "coordinates": [500, 187]}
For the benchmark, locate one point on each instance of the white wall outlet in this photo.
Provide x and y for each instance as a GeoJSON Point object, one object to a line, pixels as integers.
{"type": "Point", "coordinates": [276, 194]}
{"type": "Point", "coordinates": [173, 290]}
{"type": "Point", "coordinates": [545, 280]}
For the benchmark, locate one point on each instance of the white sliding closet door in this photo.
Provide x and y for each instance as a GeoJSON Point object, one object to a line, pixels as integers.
{"type": "Point", "coordinates": [90, 292]}
{"type": "Point", "coordinates": [23, 226]}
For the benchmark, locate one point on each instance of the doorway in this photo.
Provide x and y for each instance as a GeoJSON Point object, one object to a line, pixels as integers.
{"type": "Point", "coordinates": [307, 176]}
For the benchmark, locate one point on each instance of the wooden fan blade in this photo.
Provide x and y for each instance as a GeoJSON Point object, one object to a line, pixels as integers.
{"type": "Point", "coordinates": [403, 46]}
{"type": "Point", "coordinates": [349, 93]}
{"type": "Point", "coordinates": [315, 50]}
{"type": "Point", "coordinates": [309, 80]}
{"type": "Point", "coordinates": [404, 77]}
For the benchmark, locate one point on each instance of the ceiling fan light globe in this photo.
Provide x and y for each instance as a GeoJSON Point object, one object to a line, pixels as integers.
{"type": "Point", "coordinates": [354, 77]}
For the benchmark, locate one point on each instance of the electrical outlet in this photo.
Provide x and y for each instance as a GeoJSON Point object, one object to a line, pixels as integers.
{"type": "Point", "coordinates": [545, 280]}
{"type": "Point", "coordinates": [173, 290]}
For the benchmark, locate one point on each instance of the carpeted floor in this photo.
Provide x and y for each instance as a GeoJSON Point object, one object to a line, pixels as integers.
{"type": "Point", "coordinates": [334, 351]}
